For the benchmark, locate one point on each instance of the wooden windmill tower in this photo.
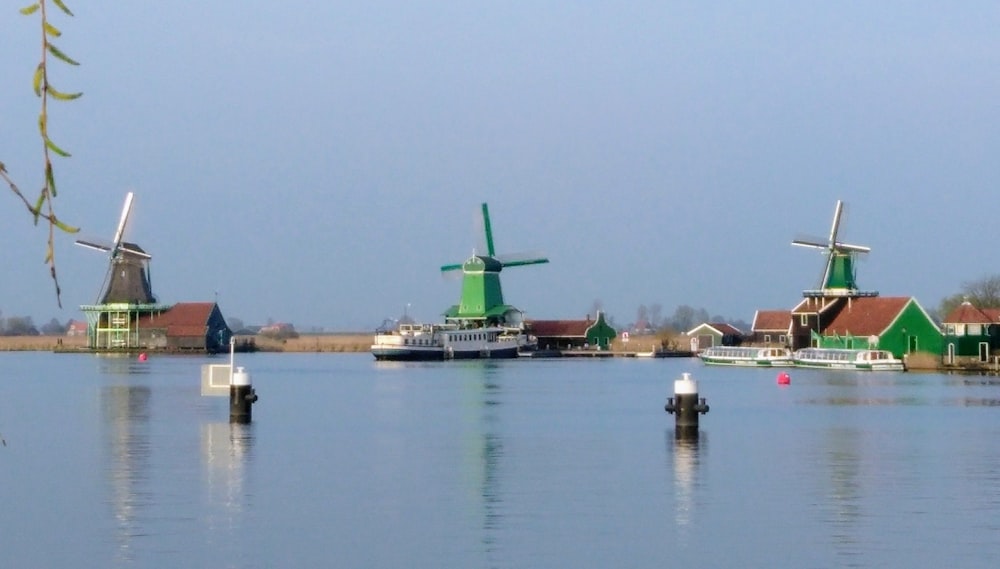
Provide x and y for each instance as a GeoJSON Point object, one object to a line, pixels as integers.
{"type": "Point", "coordinates": [482, 301]}
{"type": "Point", "coordinates": [839, 275]}
{"type": "Point", "coordinates": [126, 292]}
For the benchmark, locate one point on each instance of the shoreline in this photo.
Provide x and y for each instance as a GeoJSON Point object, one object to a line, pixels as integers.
{"type": "Point", "coordinates": [346, 342]}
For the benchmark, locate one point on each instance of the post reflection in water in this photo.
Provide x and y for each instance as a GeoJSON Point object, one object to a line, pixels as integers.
{"type": "Point", "coordinates": [226, 450]}
{"type": "Point", "coordinates": [126, 415]}
{"type": "Point", "coordinates": [844, 514]}
{"type": "Point", "coordinates": [485, 447]}
{"type": "Point", "coordinates": [685, 448]}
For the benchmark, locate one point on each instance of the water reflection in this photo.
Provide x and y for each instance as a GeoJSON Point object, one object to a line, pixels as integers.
{"type": "Point", "coordinates": [685, 447]}
{"type": "Point", "coordinates": [126, 414]}
{"type": "Point", "coordinates": [226, 449]}
{"type": "Point", "coordinates": [485, 447]}
{"type": "Point", "coordinates": [843, 457]}
{"type": "Point", "coordinates": [121, 364]}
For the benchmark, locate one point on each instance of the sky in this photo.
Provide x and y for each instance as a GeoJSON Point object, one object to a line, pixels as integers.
{"type": "Point", "coordinates": [317, 162]}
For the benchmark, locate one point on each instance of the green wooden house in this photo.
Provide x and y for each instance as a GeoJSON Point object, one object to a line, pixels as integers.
{"type": "Point", "coordinates": [897, 324]}
{"type": "Point", "coordinates": [711, 334]}
{"type": "Point", "coordinates": [590, 333]}
{"type": "Point", "coordinates": [971, 335]}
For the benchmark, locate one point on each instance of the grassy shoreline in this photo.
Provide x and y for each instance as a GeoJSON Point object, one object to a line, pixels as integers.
{"type": "Point", "coordinates": [342, 342]}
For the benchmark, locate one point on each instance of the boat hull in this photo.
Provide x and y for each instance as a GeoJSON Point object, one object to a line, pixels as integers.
{"type": "Point", "coordinates": [846, 359]}
{"type": "Point", "coordinates": [392, 354]}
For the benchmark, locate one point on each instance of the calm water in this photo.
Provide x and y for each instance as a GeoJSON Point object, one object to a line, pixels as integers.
{"type": "Point", "coordinates": [114, 463]}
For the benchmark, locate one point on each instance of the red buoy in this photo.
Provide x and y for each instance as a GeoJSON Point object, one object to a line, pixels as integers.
{"type": "Point", "coordinates": [784, 378]}
{"type": "Point", "coordinates": [142, 357]}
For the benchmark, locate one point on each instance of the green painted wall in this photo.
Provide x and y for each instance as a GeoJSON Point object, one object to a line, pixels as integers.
{"type": "Point", "coordinates": [600, 333]}
{"type": "Point", "coordinates": [968, 345]}
{"type": "Point", "coordinates": [912, 331]}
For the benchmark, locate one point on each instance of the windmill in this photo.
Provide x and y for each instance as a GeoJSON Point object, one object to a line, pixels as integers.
{"type": "Point", "coordinates": [838, 276]}
{"type": "Point", "coordinates": [482, 297]}
{"type": "Point", "coordinates": [127, 280]}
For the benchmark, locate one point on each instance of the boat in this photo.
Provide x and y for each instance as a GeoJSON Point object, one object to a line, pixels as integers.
{"type": "Point", "coordinates": [856, 359]}
{"type": "Point", "coordinates": [756, 356]}
{"type": "Point", "coordinates": [410, 342]}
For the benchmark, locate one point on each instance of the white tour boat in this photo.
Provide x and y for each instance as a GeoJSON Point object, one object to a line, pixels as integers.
{"type": "Point", "coordinates": [448, 341]}
{"type": "Point", "coordinates": [746, 356]}
{"type": "Point", "coordinates": [838, 358]}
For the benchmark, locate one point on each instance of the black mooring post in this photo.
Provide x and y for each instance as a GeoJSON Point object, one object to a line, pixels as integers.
{"type": "Point", "coordinates": [241, 397]}
{"type": "Point", "coordinates": [685, 405]}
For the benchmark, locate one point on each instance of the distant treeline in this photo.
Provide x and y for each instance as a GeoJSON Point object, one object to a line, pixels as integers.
{"type": "Point", "coordinates": [25, 326]}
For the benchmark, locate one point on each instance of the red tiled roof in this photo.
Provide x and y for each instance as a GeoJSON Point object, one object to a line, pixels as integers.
{"type": "Point", "coordinates": [553, 328]}
{"type": "Point", "coordinates": [867, 316]}
{"type": "Point", "coordinates": [772, 320]}
{"type": "Point", "coordinates": [191, 317]}
{"type": "Point", "coordinates": [965, 313]}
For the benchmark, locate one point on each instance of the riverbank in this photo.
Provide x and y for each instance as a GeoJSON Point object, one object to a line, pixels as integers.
{"type": "Point", "coordinates": [341, 342]}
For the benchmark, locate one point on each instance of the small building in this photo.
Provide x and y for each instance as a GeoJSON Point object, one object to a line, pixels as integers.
{"type": "Point", "coordinates": [711, 334]}
{"type": "Point", "coordinates": [185, 326]}
{"type": "Point", "coordinates": [971, 335]}
{"type": "Point", "coordinates": [894, 323]}
{"type": "Point", "coordinates": [771, 328]}
{"type": "Point", "coordinates": [569, 334]}
{"type": "Point", "coordinates": [76, 328]}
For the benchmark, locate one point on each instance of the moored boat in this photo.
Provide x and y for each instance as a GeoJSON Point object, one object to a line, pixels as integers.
{"type": "Point", "coordinates": [838, 358]}
{"type": "Point", "coordinates": [447, 341]}
{"type": "Point", "coordinates": [746, 356]}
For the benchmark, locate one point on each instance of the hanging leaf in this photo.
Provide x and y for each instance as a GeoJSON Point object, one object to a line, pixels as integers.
{"type": "Point", "coordinates": [52, 146]}
{"type": "Point", "coordinates": [43, 124]}
{"type": "Point", "coordinates": [63, 7]}
{"type": "Point", "coordinates": [51, 30]}
{"type": "Point", "coordinates": [56, 52]}
{"type": "Point", "coordinates": [64, 227]}
{"type": "Point", "coordinates": [58, 95]}
{"type": "Point", "coordinates": [49, 254]}
{"type": "Point", "coordinates": [37, 210]}
{"type": "Point", "coordinates": [50, 178]}
{"type": "Point", "coordinates": [29, 10]}
{"type": "Point", "coordinates": [37, 82]}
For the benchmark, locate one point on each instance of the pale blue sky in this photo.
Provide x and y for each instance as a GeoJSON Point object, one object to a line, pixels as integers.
{"type": "Point", "coordinates": [316, 162]}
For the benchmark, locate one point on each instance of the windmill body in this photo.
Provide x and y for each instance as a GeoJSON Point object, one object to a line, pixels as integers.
{"type": "Point", "coordinates": [839, 278]}
{"type": "Point", "coordinates": [126, 293]}
{"type": "Point", "coordinates": [481, 325]}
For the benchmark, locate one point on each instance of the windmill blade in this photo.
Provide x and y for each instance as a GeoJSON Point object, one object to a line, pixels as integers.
{"type": "Point", "coordinates": [837, 213]}
{"type": "Point", "coordinates": [488, 230]}
{"type": "Point", "coordinates": [521, 259]}
{"type": "Point", "coordinates": [93, 245]}
{"type": "Point", "coordinates": [810, 244]}
{"type": "Point", "coordinates": [845, 247]}
{"type": "Point", "coordinates": [523, 262]}
{"type": "Point", "coordinates": [126, 210]}
{"type": "Point", "coordinates": [454, 267]}
{"type": "Point", "coordinates": [133, 249]}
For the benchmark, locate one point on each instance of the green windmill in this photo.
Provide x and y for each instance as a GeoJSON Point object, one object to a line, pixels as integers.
{"type": "Point", "coordinates": [482, 301]}
{"type": "Point", "coordinates": [839, 275]}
